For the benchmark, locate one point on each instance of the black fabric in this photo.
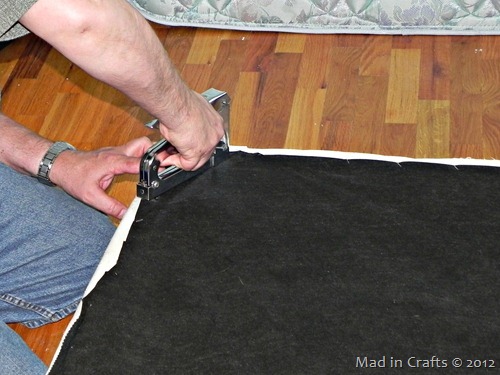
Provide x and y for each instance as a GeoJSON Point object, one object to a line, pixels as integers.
{"type": "Point", "coordinates": [300, 265]}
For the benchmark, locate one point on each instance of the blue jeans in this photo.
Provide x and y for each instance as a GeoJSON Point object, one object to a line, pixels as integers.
{"type": "Point", "coordinates": [50, 245]}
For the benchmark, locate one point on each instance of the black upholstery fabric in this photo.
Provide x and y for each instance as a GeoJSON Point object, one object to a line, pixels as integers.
{"type": "Point", "coordinates": [301, 265]}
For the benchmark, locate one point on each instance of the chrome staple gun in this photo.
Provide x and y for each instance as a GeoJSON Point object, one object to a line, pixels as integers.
{"type": "Point", "coordinates": [153, 182]}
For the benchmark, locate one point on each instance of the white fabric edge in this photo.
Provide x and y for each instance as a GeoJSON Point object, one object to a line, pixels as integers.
{"type": "Point", "coordinates": [107, 262]}
{"type": "Point", "coordinates": [113, 250]}
{"type": "Point", "coordinates": [366, 156]}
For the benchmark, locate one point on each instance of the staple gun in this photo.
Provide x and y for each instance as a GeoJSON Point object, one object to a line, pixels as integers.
{"type": "Point", "coordinates": [153, 182]}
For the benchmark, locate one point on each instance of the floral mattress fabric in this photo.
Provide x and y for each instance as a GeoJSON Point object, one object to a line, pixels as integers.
{"type": "Point", "coordinates": [330, 16]}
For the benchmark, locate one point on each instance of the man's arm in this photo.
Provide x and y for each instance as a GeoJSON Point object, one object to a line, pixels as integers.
{"type": "Point", "coordinates": [84, 175]}
{"type": "Point", "coordinates": [111, 41]}
{"type": "Point", "coordinates": [20, 148]}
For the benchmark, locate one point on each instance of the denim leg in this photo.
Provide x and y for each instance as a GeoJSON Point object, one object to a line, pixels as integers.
{"type": "Point", "coordinates": [15, 357]}
{"type": "Point", "coordinates": [50, 245]}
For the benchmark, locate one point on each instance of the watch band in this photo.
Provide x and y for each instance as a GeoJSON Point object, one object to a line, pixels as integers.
{"type": "Point", "coordinates": [48, 160]}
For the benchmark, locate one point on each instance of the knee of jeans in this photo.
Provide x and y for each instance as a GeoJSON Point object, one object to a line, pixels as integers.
{"type": "Point", "coordinates": [48, 286]}
{"type": "Point", "coordinates": [92, 234]}
{"type": "Point", "coordinates": [96, 227]}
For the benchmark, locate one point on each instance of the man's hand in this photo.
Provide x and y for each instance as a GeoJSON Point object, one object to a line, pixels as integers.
{"type": "Point", "coordinates": [196, 136]}
{"type": "Point", "coordinates": [87, 175]}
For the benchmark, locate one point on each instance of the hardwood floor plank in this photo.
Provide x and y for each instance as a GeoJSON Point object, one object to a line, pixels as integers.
{"type": "Point", "coordinates": [243, 106]}
{"type": "Point", "coordinates": [462, 149]}
{"type": "Point", "coordinates": [77, 82]}
{"type": "Point", "coordinates": [126, 123]}
{"type": "Point", "coordinates": [336, 135]}
{"type": "Point", "coordinates": [491, 131]}
{"type": "Point", "coordinates": [370, 97]}
{"type": "Point", "coordinates": [197, 76]}
{"type": "Point", "coordinates": [341, 80]}
{"type": "Point", "coordinates": [467, 67]}
{"type": "Point", "coordinates": [490, 47]}
{"type": "Point", "coordinates": [407, 41]}
{"type": "Point", "coordinates": [315, 61]}
{"type": "Point", "coordinates": [260, 50]}
{"type": "Point", "coordinates": [402, 96]}
{"type": "Point", "coordinates": [32, 58]}
{"type": "Point", "coordinates": [291, 43]}
{"type": "Point", "coordinates": [178, 43]}
{"type": "Point", "coordinates": [435, 80]}
{"type": "Point", "coordinates": [467, 124]}
{"type": "Point", "coordinates": [306, 119]}
{"type": "Point", "coordinates": [375, 56]}
{"type": "Point", "coordinates": [491, 114]}
{"type": "Point", "coordinates": [205, 47]}
{"type": "Point", "coordinates": [467, 117]}
{"type": "Point", "coordinates": [17, 96]}
{"type": "Point", "coordinates": [466, 101]}
{"type": "Point", "coordinates": [62, 119]}
{"type": "Point", "coordinates": [350, 40]}
{"type": "Point", "coordinates": [397, 139]}
{"type": "Point", "coordinates": [9, 57]}
{"type": "Point", "coordinates": [433, 129]}
{"type": "Point", "coordinates": [228, 65]}
{"type": "Point", "coordinates": [273, 107]}
{"type": "Point", "coordinates": [240, 35]}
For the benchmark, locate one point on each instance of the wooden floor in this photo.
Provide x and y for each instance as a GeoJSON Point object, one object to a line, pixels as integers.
{"type": "Point", "coordinates": [417, 96]}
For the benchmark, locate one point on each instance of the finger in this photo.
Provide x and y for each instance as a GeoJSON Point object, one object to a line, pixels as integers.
{"type": "Point", "coordinates": [183, 163]}
{"type": "Point", "coordinates": [172, 160]}
{"type": "Point", "coordinates": [136, 147]}
{"type": "Point", "coordinates": [162, 155]}
{"type": "Point", "coordinates": [126, 164]}
{"type": "Point", "coordinates": [180, 162]}
{"type": "Point", "coordinates": [106, 204]}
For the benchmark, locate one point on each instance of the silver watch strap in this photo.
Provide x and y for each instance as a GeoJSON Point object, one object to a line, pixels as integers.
{"type": "Point", "coordinates": [48, 160]}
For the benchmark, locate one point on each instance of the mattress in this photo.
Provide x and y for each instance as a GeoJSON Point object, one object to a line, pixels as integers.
{"type": "Point", "coordinates": [459, 17]}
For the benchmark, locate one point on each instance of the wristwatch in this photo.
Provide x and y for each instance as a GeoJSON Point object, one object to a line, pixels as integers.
{"type": "Point", "coordinates": [48, 160]}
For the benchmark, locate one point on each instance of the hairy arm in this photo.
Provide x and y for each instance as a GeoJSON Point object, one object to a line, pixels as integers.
{"type": "Point", "coordinates": [84, 175]}
{"type": "Point", "coordinates": [112, 42]}
{"type": "Point", "coordinates": [20, 148]}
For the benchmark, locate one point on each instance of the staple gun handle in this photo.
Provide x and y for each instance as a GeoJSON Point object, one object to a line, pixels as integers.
{"type": "Point", "coordinates": [153, 181]}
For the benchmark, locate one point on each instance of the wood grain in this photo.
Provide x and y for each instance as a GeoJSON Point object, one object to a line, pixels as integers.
{"type": "Point", "coordinates": [433, 129]}
{"type": "Point", "coordinates": [419, 96]}
{"type": "Point", "coordinates": [402, 98]}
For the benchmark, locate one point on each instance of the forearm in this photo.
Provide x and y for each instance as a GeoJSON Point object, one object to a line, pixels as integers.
{"type": "Point", "coordinates": [111, 41]}
{"type": "Point", "coordinates": [20, 148]}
